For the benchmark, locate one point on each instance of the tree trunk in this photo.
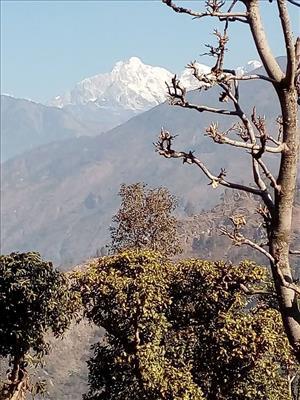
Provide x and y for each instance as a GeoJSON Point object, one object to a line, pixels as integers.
{"type": "Point", "coordinates": [15, 388]}
{"type": "Point", "coordinates": [280, 233]}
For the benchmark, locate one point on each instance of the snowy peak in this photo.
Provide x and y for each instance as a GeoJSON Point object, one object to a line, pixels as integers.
{"type": "Point", "coordinates": [250, 66]}
{"type": "Point", "coordinates": [189, 81]}
{"type": "Point", "coordinates": [131, 85]}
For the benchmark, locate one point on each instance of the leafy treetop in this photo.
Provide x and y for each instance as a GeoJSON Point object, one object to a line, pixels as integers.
{"type": "Point", "coordinates": [145, 220]}
{"type": "Point", "coordinates": [34, 298]}
{"type": "Point", "coordinates": [184, 331]}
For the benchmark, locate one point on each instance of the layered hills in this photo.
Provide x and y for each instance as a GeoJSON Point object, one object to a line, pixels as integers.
{"type": "Point", "coordinates": [59, 199]}
{"type": "Point", "coordinates": [26, 125]}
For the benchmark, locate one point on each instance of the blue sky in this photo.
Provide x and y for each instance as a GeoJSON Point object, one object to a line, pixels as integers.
{"type": "Point", "coordinates": [48, 46]}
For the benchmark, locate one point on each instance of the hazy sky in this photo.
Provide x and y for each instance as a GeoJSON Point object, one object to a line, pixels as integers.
{"type": "Point", "coordinates": [48, 46]}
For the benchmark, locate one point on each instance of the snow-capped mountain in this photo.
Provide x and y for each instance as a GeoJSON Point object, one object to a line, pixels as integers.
{"type": "Point", "coordinates": [250, 66]}
{"type": "Point", "coordinates": [188, 80]}
{"type": "Point", "coordinates": [131, 85]}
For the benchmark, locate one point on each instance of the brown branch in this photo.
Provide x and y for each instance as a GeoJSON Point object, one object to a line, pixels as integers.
{"type": "Point", "coordinates": [177, 97]}
{"type": "Point", "coordinates": [220, 138]}
{"type": "Point", "coordinates": [241, 114]}
{"type": "Point", "coordinates": [284, 282]}
{"type": "Point", "coordinates": [252, 292]}
{"type": "Point", "coordinates": [289, 42]}
{"type": "Point", "coordinates": [295, 252]}
{"type": "Point", "coordinates": [294, 2]}
{"type": "Point", "coordinates": [163, 147]}
{"type": "Point", "coordinates": [256, 150]}
{"type": "Point", "coordinates": [239, 240]}
{"type": "Point", "coordinates": [269, 175]}
{"type": "Point", "coordinates": [261, 42]}
{"type": "Point", "coordinates": [206, 108]}
{"type": "Point", "coordinates": [250, 77]}
{"type": "Point", "coordinates": [256, 174]}
{"type": "Point", "coordinates": [224, 15]}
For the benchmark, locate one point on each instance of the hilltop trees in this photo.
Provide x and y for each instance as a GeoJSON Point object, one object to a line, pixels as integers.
{"type": "Point", "coordinates": [250, 133]}
{"type": "Point", "coordinates": [145, 220]}
{"type": "Point", "coordinates": [184, 330]}
{"type": "Point", "coordinates": [34, 299]}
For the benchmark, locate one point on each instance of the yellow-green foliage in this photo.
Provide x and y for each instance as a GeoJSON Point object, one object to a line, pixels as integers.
{"type": "Point", "coordinates": [145, 220]}
{"type": "Point", "coordinates": [183, 331]}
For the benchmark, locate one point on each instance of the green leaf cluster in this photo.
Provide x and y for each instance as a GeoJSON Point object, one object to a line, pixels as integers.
{"type": "Point", "coordinates": [183, 330]}
{"type": "Point", "coordinates": [35, 299]}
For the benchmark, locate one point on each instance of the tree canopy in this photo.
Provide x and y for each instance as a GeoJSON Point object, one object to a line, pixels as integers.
{"type": "Point", "coordinates": [184, 330]}
{"type": "Point", "coordinates": [34, 299]}
{"type": "Point", "coordinates": [145, 220]}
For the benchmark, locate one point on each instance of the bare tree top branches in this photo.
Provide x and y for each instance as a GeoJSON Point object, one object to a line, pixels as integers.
{"type": "Point", "coordinates": [250, 132]}
{"type": "Point", "coordinates": [213, 9]}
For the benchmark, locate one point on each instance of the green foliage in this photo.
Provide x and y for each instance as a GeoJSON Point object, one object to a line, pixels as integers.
{"type": "Point", "coordinates": [183, 331]}
{"type": "Point", "coordinates": [34, 299]}
{"type": "Point", "coordinates": [145, 220]}
{"type": "Point", "coordinates": [240, 349]}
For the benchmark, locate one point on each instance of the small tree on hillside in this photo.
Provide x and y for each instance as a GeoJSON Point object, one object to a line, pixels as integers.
{"type": "Point", "coordinates": [145, 220]}
{"type": "Point", "coordinates": [250, 133]}
{"type": "Point", "coordinates": [34, 299]}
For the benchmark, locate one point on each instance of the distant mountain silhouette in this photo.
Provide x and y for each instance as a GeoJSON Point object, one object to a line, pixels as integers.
{"type": "Point", "coordinates": [26, 125]}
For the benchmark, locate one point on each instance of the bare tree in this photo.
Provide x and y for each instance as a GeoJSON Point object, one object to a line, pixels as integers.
{"type": "Point", "coordinates": [276, 191]}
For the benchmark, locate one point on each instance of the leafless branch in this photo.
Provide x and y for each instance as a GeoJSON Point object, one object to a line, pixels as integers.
{"type": "Point", "coordinates": [249, 77]}
{"type": "Point", "coordinates": [219, 51]}
{"type": "Point", "coordinates": [253, 292]}
{"type": "Point", "coordinates": [269, 175]}
{"type": "Point", "coordinates": [289, 42]}
{"type": "Point", "coordinates": [241, 114]}
{"type": "Point", "coordinates": [294, 2]}
{"type": "Point", "coordinates": [214, 11]}
{"type": "Point", "coordinates": [164, 148]}
{"type": "Point", "coordinates": [177, 97]}
{"type": "Point", "coordinates": [261, 42]}
{"type": "Point", "coordinates": [296, 252]}
{"type": "Point", "coordinates": [239, 239]}
{"type": "Point", "coordinates": [221, 138]}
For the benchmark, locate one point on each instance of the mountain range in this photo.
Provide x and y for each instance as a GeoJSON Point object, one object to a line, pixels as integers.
{"type": "Point", "coordinates": [59, 198]}
{"type": "Point", "coordinates": [95, 105]}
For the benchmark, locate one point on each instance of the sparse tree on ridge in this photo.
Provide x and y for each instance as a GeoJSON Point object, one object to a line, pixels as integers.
{"type": "Point", "coordinates": [249, 133]}
{"type": "Point", "coordinates": [145, 220]}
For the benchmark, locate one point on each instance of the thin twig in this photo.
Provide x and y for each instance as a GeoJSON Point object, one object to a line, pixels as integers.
{"type": "Point", "coordinates": [218, 14]}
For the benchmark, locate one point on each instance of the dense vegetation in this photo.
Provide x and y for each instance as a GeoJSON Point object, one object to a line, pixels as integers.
{"type": "Point", "coordinates": [184, 330]}
{"type": "Point", "coordinates": [34, 299]}
{"type": "Point", "coordinates": [173, 329]}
